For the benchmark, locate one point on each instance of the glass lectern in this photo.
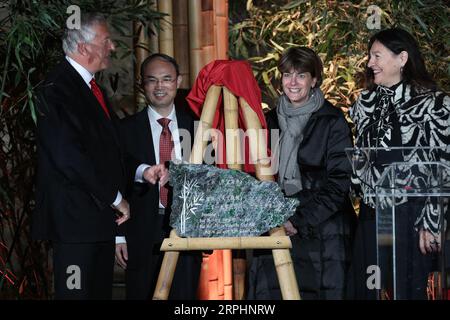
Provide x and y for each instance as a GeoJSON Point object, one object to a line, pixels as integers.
{"type": "Point", "coordinates": [406, 195]}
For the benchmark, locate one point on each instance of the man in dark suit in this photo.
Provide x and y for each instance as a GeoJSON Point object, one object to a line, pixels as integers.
{"type": "Point", "coordinates": [80, 168]}
{"type": "Point", "coordinates": [160, 132]}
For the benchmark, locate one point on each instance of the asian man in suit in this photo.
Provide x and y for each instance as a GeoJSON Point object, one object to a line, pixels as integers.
{"type": "Point", "coordinates": [158, 133]}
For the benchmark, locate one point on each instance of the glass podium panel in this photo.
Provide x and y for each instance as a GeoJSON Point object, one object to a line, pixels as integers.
{"type": "Point", "coordinates": [406, 195]}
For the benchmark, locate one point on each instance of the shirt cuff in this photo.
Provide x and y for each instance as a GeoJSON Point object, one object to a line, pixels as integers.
{"type": "Point", "coordinates": [120, 240]}
{"type": "Point", "coordinates": [139, 176]}
{"type": "Point", "coordinates": [118, 199]}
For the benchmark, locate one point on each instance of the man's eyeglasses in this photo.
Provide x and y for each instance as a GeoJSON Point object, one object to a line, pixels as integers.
{"type": "Point", "coordinates": [152, 81]}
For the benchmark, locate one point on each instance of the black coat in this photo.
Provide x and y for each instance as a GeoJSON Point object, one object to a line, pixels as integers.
{"type": "Point", "coordinates": [325, 216]}
{"type": "Point", "coordinates": [146, 229]}
{"type": "Point", "coordinates": [80, 165]}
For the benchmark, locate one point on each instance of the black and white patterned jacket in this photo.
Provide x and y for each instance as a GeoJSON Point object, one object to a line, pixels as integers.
{"type": "Point", "coordinates": [424, 121]}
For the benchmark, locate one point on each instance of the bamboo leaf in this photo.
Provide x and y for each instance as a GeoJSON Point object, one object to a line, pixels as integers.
{"type": "Point", "coordinates": [424, 27]}
{"type": "Point", "coordinates": [33, 111]}
{"type": "Point", "coordinates": [293, 4]}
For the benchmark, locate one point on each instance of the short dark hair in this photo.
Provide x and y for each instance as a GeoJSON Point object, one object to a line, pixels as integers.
{"type": "Point", "coordinates": [160, 56]}
{"type": "Point", "coordinates": [302, 59]}
{"type": "Point", "coordinates": [414, 72]}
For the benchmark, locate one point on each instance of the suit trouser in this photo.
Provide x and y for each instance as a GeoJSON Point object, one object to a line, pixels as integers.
{"type": "Point", "coordinates": [83, 271]}
{"type": "Point", "coordinates": [141, 280]}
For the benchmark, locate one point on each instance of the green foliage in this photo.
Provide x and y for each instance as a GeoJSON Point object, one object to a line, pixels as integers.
{"type": "Point", "coordinates": [337, 31]}
{"type": "Point", "coordinates": [30, 45]}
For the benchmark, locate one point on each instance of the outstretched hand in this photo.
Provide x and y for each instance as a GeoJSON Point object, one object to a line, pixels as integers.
{"type": "Point", "coordinates": [157, 173]}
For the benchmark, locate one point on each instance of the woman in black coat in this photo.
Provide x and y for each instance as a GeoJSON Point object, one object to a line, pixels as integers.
{"type": "Point", "coordinates": [314, 168]}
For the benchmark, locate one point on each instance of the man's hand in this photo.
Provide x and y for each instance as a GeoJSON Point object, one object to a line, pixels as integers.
{"type": "Point", "coordinates": [156, 173]}
{"type": "Point", "coordinates": [122, 255]}
{"type": "Point", "coordinates": [429, 243]}
{"type": "Point", "coordinates": [290, 229]}
{"type": "Point", "coordinates": [123, 209]}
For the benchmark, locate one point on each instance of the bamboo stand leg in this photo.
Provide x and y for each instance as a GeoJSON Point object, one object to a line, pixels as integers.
{"type": "Point", "coordinates": [233, 156]}
{"type": "Point", "coordinates": [285, 269]}
{"type": "Point", "coordinates": [166, 273]}
{"type": "Point", "coordinates": [282, 257]}
{"type": "Point", "coordinates": [198, 149]}
{"type": "Point", "coordinates": [257, 143]}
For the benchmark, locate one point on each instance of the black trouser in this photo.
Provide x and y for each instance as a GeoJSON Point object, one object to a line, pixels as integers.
{"type": "Point", "coordinates": [412, 267]}
{"type": "Point", "coordinates": [83, 271]}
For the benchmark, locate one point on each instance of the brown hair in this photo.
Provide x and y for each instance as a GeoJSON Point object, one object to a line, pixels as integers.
{"type": "Point", "coordinates": [302, 59]}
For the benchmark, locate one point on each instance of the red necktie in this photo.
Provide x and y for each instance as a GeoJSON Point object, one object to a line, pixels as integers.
{"type": "Point", "coordinates": [165, 153]}
{"type": "Point", "coordinates": [98, 94]}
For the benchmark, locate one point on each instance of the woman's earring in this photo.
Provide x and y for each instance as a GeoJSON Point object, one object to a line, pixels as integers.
{"type": "Point", "coordinates": [401, 70]}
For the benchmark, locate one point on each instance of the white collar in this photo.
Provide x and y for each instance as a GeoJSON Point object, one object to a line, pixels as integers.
{"type": "Point", "coordinates": [84, 73]}
{"type": "Point", "coordinates": [155, 116]}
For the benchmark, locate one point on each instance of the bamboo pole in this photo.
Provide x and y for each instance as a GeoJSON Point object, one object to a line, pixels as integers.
{"type": "Point", "coordinates": [195, 40]}
{"type": "Point", "coordinates": [221, 29]}
{"type": "Point", "coordinates": [205, 123]}
{"type": "Point", "coordinates": [227, 275]}
{"type": "Point", "coordinates": [141, 51]}
{"type": "Point", "coordinates": [285, 269]}
{"type": "Point", "coordinates": [207, 14]}
{"type": "Point", "coordinates": [181, 39]}
{"type": "Point", "coordinates": [213, 281]}
{"type": "Point", "coordinates": [166, 272]}
{"type": "Point", "coordinates": [166, 32]}
{"type": "Point", "coordinates": [257, 142]}
{"type": "Point", "coordinates": [219, 277]}
{"type": "Point", "coordinates": [241, 243]}
{"type": "Point", "coordinates": [154, 38]}
{"type": "Point", "coordinates": [208, 47]}
{"type": "Point", "coordinates": [239, 268]}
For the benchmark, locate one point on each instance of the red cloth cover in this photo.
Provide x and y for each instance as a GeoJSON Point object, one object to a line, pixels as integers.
{"type": "Point", "coordinates": [236, 76]}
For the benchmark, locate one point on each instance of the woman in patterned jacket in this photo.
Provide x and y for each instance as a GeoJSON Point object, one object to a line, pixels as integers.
{"type": "Point", "coordinates": [401, 107]}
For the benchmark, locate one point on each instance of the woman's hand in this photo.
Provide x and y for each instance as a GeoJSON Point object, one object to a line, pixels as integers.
{"type": "Point", "coordinates": [290, 229]}
{"type": "Point", "coordinates": [429, 243]}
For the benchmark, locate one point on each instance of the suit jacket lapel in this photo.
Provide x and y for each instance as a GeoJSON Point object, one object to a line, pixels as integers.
{"type": "Point", "coordinates": [93, 106]}
{"type": "Point", "coordinates": [146, 137]}
{"type": "Point", "coordinates": [184, 121]}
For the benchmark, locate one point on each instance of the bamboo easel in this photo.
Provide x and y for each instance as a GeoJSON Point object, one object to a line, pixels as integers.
{"type": "Point", "coordinates": [278, 241]}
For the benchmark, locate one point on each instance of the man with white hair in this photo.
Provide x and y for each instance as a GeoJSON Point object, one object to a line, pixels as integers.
{"type": "Point", "coordinates": [80, 166]}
